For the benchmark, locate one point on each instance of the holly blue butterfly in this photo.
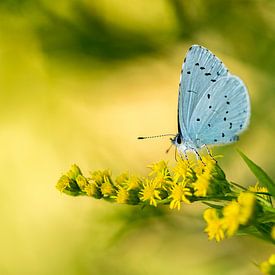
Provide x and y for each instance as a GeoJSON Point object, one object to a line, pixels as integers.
{"type": "Point", "coordinates": [213, 105]}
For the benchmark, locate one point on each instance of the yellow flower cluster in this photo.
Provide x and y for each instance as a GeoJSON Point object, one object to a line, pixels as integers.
{"type": "Point", "coordinates": [183, 183]}
{"type": "Point", "coordinates": [225, 222]}
{"type": "Point", "coordinates": [268, 267]}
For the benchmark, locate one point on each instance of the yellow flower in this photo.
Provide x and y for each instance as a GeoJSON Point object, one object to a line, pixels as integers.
{"type": "Point", "coordinates": [214, 227]}
{"type": "Point", "coordinates": [268, 267]}
{"type": "Point", "coordinates": [238, 212]}
{"type": "Point", "coordinates": [74, 172]}
{"type": "Point", "coordinates": [178, 195]}
{"type": "Point", "coordinates": [98, 176]}
{"type": "Point", "coordinates": [180, 170]}
{"type": "Point", "coordinates": [133, 183]}
{"type": "Point", "coordinates": [163, 179]}
{"type": "Point", "coordinates": [122, 178]}
{"type": "Point", "coordinates": [157, 167]}
{"type": "Point", "coordinates": [258, 188]}
{"type": "Point", "coordinates": [149, 192]}
{"type": "Point", "coordinates": [122, 195]}
{"type": "Point", "coordinates": [81, 182]}
{"type": "Point", "coordinates": [93, 190]}
{"type": "Point", "coordinates": [231, 218]}
{"type": "Point", "coordinates": [63, 183]}
{"type": "Point", "coordinates": [246, 201]}
{"type": "Point", "coordinates": [201, 184]}
{"type": "Point", "coordinates": [107, 188]}
{"type": "Point", "coordinates": [203, 179]}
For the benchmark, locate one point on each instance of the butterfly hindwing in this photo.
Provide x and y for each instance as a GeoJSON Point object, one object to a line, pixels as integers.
{"type": "Point", "coordinates": [201, 69]}
{"type": "Point", "coordinates": [222, 112]}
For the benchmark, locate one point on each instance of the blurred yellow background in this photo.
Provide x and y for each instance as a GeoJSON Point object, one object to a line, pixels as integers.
{"type": "Point", "coordinates": [79, 81]}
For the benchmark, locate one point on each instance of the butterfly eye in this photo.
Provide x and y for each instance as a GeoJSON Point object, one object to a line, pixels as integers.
{"type": "Point", "coordinates": [178, 139]}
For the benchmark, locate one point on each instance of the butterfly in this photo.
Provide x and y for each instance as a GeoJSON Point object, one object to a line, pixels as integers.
{"type": "Point", "coordinates": [213, 105]}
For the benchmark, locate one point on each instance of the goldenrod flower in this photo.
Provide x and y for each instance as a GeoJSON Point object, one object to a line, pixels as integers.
{"type": "Point", "coordinates": [98, 176]}
{"type": "Point", "coordinates": [149, 192]}
{"type": "Point", "coordinates": [231, 220]}
{"type": "Point", "coordinates": [246, 201]}
{"type": "Point", "coordinates": [163, 179]}
{"type": "Point", "coordinates": [178, 195]}
{"type": "Point", "coordinates": [158, 167]}
{"type": "Point", "coordinates": [214, 227]}
{"type": "Point", "coordinates": [133, 183]}
{"type": "Point", "coordinates": [128, 181]}
{"type": "Point", "coordinates": [63, 183]}
{"type": "Point", "coordinates": [238, 212]}
{"type": "Point", "coordinates": [180, 170]}
{"type": "Point", "coordinates": [201, 184]}
{"type": "Point", "coordinates": [74, 172]}
{"type": "Point", "coordinates": [122, 195]}
{"type": "Point", "coordinates": [261, 189]}
{"type": "Point", "coordinates": [122, 178]}
{"type": "Point", "coordinates": [69, 186]}
{"type": "Point", "coordinates": [93, 190]}
{"type": "Point", "coordinates": [268, 267]}
{"type": "Point", "coordinates": [107, 188]}
{"type": "Point", "coordinates": [81, 182]}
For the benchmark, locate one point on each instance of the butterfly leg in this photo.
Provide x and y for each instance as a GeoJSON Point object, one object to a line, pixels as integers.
{"type": "Point", "coordinates": [185, 156]}
{"type": "Point", "coordinates": [208, 152]}
{"type": "Point", "coordinates": [198, 156]}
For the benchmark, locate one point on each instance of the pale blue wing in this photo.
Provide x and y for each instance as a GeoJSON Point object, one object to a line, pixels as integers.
{"type": "Point", "coordinates": [200, 70]}
{"type": "Point", "coordinates": [221, 114]}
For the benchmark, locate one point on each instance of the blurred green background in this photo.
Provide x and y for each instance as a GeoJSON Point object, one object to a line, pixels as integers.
{"type": "Point", "coordinates": [79, 81]}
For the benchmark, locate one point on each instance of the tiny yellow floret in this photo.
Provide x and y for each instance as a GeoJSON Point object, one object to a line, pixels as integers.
{"type": "Point", "coordinates": [214, 227]}
{"type": "Point", "coordinates": [150, 192]}
{"type": "Point", "coordinates": [122, 195]}
{"type": "Point", "coordinates": [268, 267]}
{"type": "Point", "coordinates": [107, 188]}
{"type": "Point", "coordinates": [157, 167]}
{"type": "Point", "coordinates": [180, 170]}
{"type": "Point", "coordinates": [231, 221]}
{"type": "Point", "coordinates": [246, 201]}
{"type": "Point", "coordinates": [201, 184]}
{"type": "Point", "coordinates": [261, 189]}
{"type": "Point", "coordinates": [178, 195]}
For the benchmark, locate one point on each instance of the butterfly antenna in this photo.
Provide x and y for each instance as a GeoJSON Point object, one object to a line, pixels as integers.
{"type": "Point", "coordinates": [165, 135]}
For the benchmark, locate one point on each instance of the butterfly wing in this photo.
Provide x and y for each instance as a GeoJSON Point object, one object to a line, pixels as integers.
{"type": "Point", "coordinates": [200, 70]}
{"type": "Point", "coordinates": [222, 113]}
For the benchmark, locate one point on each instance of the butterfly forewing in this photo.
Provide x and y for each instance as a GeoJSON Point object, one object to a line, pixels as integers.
{"type": "Point", "coordinates": [201, 69]}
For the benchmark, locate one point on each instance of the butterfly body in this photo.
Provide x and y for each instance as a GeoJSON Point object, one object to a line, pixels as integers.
{"type": "Point", "coordinates": [213, 105]}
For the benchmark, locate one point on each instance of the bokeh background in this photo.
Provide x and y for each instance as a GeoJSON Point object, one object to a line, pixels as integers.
{"type": "Point", "coordinates": [79, 81]}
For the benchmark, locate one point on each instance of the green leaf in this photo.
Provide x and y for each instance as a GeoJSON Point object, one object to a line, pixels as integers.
{"type": "Point", "coordinates": [260, 174]}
